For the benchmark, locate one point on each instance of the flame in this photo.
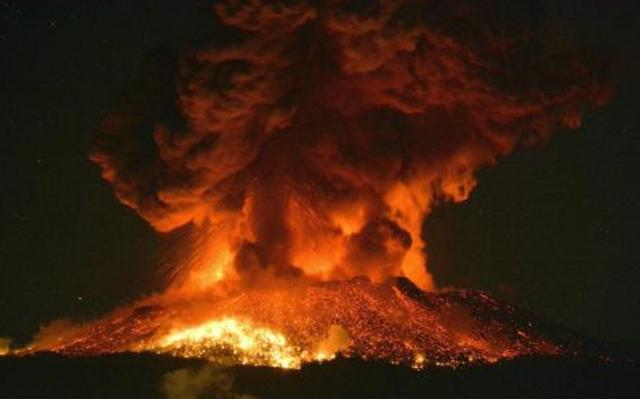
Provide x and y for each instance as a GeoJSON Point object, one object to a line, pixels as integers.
{"type": "Point", "coordinates": [236, 341]}
{"type": "Point", "coordinates": [301, 161]}
{"type": "Point", "coordinates": [246, 343]}
{"type": "Point", "coordinates": [287, 326]}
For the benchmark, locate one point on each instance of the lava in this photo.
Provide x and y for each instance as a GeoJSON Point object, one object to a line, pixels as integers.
{"type": "Point", "coordinates": [299, 160]}
{"type": "Point", "coordinates": [392, 321]}
{"type": "Point", "coordinates": [245, 343]}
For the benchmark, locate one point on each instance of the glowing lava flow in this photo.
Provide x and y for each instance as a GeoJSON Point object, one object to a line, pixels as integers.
{"type": "Point", "coordinates": [298, 161]}
{"type": "Point", "coordinates": [286, 327]}
{"type": "Point", "coordinates": [240, 341]}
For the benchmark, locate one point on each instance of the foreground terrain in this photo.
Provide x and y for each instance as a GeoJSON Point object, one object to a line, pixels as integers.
{"type": "Point", "coordinates": [155, 376]}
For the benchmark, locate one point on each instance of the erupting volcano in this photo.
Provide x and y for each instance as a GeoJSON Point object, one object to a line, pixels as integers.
{"type": "Point", "coordinates": [392, 321]}
{"type": "Point", "coordinates": [298, 156]}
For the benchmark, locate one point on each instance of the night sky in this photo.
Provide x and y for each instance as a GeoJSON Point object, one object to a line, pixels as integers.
{"type": "Point", "coordinates": [553, 229]}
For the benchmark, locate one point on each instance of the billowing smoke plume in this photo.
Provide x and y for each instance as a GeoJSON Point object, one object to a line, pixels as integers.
{"type": "Point", "coordinates": [316, 139]}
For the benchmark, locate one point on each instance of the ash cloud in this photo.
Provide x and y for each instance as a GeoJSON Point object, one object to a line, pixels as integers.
{"type": "Point", "coordinates": [316, 143]}
{"type": "Point", "coordinates": [336, 340]}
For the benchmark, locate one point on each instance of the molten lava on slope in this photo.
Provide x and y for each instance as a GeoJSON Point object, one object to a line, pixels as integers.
{"type": "Point", "coordinates": [392, 321]}
{"type": "Point", "coordinates": [302, 153]}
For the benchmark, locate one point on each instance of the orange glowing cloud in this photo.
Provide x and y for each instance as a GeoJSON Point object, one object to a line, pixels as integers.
{"type": "Point", "coordinates": [315, 143]}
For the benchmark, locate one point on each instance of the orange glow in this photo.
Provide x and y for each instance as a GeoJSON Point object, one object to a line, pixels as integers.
{"type": "Point", "coordinates": [245, 343]}
{"type": "Point", "coordinates": [301, 176]}
{"type": "Point", "coordinates": [287, 326]}
{"type": "Point", "coordinates": [4, 346]}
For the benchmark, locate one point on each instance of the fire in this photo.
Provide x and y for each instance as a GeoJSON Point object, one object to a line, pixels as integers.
{"type": "Point", "coordinates": [301, 162]}
{"type": "Point", "coordinates": [289, 326]}
{"type": "Point", "coordinates": [244, 342]}
{"type": "Point", "coordinates": [234, 341]}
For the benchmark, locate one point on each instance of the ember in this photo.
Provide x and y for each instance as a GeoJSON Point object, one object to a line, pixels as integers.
{"type": "Point", "coordinates": [392, 321]}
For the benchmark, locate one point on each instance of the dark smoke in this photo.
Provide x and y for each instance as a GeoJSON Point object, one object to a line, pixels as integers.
{"type": "Point", "coordinates": [321, 111]}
